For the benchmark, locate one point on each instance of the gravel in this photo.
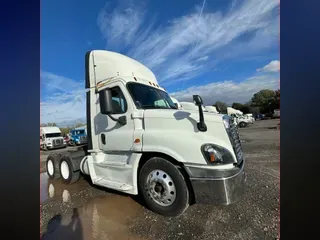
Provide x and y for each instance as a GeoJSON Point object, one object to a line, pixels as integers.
{"type": "Point", "coordinates": [104, 214]}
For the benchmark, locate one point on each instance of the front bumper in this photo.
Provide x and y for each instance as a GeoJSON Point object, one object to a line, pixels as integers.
{"type": "Point", "coordinates": [217, 186]}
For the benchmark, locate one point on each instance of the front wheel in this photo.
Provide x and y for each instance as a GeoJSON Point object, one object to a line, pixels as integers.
{"type": "Point", "coordinates": [163, 187]}
{"type": "Point", "coordinates": [242, 125]}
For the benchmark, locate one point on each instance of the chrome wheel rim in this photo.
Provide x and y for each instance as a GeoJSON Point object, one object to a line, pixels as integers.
{"type": "Point", "coordinates": [160, 188]}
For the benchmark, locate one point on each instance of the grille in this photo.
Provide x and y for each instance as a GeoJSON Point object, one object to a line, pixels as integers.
{"type": "Point", "coordinates": [83, 139]}
{"type": "Point", "coordinates": [57, 142]}
{"type": "Point", "coordinates": [236, 143]}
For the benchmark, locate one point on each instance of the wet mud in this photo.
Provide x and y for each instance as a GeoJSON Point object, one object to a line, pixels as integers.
{"type": "Point", "coordinates": [104, 217]}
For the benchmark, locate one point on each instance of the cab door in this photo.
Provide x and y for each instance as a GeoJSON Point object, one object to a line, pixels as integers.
{"type": "Point", "coordinates": [116, 137]}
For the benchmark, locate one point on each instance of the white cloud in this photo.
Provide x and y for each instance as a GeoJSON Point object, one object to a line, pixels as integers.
{"type": "Point", "coordinates": [228, 91]}
{"type": "Point", "coordinates": [182, 49]}
{"type": "Point", "coordinates": [174, 51]}
{"type": "Point", "coordinates": [273, 66]}
{"type": "Point", "coordinates": [65, 98]}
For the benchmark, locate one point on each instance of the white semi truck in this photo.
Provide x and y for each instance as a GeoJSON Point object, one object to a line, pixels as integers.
{"type": "Point", "coordinates": [238, 117]}
{"type": "Point", "coordinates": [140, 143]}
{"type": "Point", "coordinates": [51, 138]}
{"type": "Point", "coordinates": [191, 106]}
{"type": "Point", "coordinates": [211, 109]}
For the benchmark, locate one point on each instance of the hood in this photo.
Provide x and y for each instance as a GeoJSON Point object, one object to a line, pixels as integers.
{"type": "Point", "coordinates": [182, 114]}
{"type": "Point", "coordinates": [172, 130]}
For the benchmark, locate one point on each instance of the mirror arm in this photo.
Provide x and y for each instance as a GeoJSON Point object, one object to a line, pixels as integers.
{"type": "Point", "coordinates": [201, 124]}
{"type": "Point", "coordinates": [120, 120]}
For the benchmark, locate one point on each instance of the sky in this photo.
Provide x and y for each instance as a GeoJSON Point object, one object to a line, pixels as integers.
{"type": "Point", "coordinates": [223, 50]}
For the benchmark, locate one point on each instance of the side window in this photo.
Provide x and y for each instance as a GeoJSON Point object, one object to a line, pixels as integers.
{"type": "Point", "coordinates": [118, 101]}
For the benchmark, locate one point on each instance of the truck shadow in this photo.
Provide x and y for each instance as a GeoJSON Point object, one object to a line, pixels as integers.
{"type": "Point", "coordinates": [57, 230]}
{"type": "Point", "coordinates": [180, 115]}
{"type": "Point", "coordinates": [101, 123]}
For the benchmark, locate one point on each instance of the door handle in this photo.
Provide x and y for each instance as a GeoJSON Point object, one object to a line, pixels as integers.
{"type": "Point", "coordinates": [103, 139]}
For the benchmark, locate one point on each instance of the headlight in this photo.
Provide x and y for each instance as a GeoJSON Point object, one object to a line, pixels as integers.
{"type": "Point", "coordinates": [215, 154]}
{"type": "Point", "coordinates": [226, 121]}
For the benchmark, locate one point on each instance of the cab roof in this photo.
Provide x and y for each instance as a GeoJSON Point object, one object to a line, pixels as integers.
{"type": "Point", "coordinates": [102, 65]}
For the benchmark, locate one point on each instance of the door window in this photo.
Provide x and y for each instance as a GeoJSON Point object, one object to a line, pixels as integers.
{"type": "Point", "coordinates": [119, 103]}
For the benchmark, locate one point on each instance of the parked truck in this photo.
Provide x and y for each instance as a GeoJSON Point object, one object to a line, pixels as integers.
{"type": "Point", "coordinates": [238, 117]}
{"type": "Point", "coordinates": [78, 136]}
{"type": "Point", "coordinates": [51, 138]}
{"type": "Point", "coordinates": [276, 113]}
{"type": "Point", "coordinates": [211, 109]}
{"type": "Point", "coordinates": [140, 143]}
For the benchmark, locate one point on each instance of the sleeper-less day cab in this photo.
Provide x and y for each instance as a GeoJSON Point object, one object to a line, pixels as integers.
{"type": "Point", "coordinates": [140, 143]}
{"type": "Point", "coordinates": [51, 138]}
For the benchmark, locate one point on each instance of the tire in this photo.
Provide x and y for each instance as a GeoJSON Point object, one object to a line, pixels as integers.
{"type": "Point", "coordinates": [242, 124]}
{"type": "Point", "coordinates": [178, 197]}
{"type": "Point", "coordinates": [67, 174]}
{"type": "Point", "coordinates": [51, 168]}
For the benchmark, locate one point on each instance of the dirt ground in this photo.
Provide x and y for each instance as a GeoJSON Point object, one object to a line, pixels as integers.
{"type": "Point", "coordinates": [81, 211]}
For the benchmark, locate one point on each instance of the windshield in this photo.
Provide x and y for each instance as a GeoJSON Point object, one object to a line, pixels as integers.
{"type": "Point", "coordinates": [147, 97]}
{"type": "Point", "coordinates": [77, 132]}
{"type": "Point", "coordinates": [52, 135]}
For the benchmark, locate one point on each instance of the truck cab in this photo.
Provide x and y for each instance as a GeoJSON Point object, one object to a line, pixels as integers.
{"type": "Point", "coordinates": [211, 109]}
{"type": "Point", "coordinates": [78, 136]}
{"type": "Point", "coordinates": [139, 142]}
{"type": "Point", "coordinates": [51, 138]}
{"type": "Point", "coordinates": [238, 117]}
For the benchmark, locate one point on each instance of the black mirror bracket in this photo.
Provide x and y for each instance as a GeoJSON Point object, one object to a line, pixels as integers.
{"type": "Point", "coordinates": [121, 120]}
{"type": "Point", "coordinates": [202, 127]}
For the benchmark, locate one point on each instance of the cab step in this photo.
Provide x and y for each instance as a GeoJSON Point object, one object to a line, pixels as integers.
{"type": "Point", "coordinates": [111, 184]}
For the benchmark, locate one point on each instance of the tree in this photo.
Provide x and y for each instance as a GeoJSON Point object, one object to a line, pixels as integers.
{"type": "Point", "coordinates": [245, 108]}
{"type": "Point", "coordinates": [65, 131]}
{"type": "Point", "coordinates": [236, 105]}
{"type": "Point", "coordinates": [266, 100]}
{"type": "Point", "coordinates": [277, 99]}
{"type": "Point", "coordinates": [221, 107]}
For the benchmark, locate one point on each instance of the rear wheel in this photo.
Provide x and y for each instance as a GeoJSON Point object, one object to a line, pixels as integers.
{"type": "Point", "coordinates": [68, 175]}
{"type": "Point", "coordinates": [163, 187]}
{"type": "Point", "coordinates": [51, 169]}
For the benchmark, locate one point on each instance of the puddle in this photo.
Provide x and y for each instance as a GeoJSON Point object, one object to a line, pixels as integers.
{"type": "Point", "coordinates": [43, 187]}
{"type": "Point", "coordinates": [107, 217]}
{"type": "Point", "coordinates": [57, 190]}
{"type": "Point", "coordinates": [101, 218]}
